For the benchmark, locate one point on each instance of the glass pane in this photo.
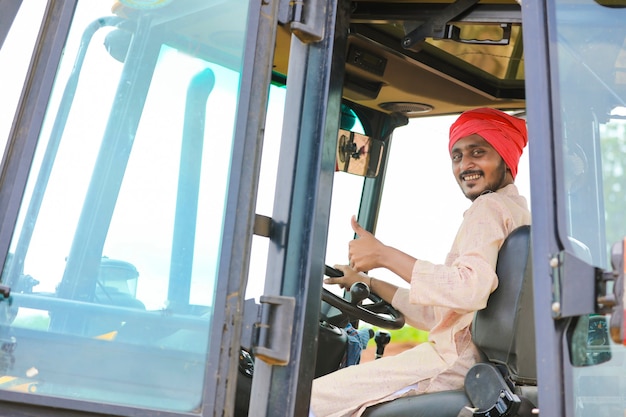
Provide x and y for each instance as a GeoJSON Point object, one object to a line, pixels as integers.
{"type": "Point", "coordinates": [591, 72]}
{"type": "Point", "coordinates": [113, 262]}
{"type": "Point", "coordinates": [425, 231]}
{"type": "Point", "coordinates": [267, 188]}
{"type": "Point", "coordinates": [346, 199]}
{"type": "Point", "coordinates": [345, 202]}
{"type": "Point", "coordinates": [15, 55]}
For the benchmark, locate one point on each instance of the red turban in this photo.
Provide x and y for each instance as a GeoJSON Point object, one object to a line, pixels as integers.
{"type": "Point", "coordinates": [507, 134]}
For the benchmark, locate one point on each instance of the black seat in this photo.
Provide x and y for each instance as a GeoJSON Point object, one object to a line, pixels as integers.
{"type": "Point", "coordinates": [503, 331]}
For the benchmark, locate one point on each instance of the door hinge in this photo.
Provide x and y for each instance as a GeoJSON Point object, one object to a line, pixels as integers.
{"type": "Point", "coordinates": [305, 18]}
{"type": "Point", "coordinates": [273, 340]}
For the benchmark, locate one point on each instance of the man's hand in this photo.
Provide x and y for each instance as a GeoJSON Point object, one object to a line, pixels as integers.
{"type": "Point", "coordinates": [350, 276]}
{"type": "Point", "coordinates": [365, 253]}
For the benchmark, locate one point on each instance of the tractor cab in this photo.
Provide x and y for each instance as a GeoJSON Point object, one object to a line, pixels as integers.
{"type": "Point", "coordinates": [178, 176]}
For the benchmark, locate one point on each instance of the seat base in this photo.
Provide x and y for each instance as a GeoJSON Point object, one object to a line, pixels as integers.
{"type": "Point", "coordinates": [436, 404]}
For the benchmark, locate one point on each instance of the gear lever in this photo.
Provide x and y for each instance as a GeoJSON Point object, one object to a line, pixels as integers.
{"type": "Point", "coordinates": [382, 339]}
{"type": "Point", "coordinates": [359, 291]}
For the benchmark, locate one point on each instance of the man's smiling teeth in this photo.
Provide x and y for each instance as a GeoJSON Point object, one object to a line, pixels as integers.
{"type": "Point", "coordinates": [471, 177]}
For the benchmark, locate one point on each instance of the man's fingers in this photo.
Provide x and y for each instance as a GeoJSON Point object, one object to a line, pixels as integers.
{"type": "Point", "coordinates": [334, 281]}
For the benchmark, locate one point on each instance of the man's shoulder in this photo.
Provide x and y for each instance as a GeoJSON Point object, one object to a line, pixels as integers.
{"type": "Point", "coordinates": [507, 193]}
{"type": "Point", "coordinates": [505, 199]}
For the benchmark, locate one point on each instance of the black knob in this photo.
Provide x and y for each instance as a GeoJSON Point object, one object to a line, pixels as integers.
{"type": "Point", "coordinates": [382, 339]}
{"type": "Point", "coordinates": [359, 292]}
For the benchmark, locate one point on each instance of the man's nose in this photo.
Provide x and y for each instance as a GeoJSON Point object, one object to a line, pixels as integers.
{"type": "Point", "coordinates": [466, 164]}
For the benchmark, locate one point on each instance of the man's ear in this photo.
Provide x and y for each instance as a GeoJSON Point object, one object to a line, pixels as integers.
{"type": "Point", "coordinates": [509, 174]}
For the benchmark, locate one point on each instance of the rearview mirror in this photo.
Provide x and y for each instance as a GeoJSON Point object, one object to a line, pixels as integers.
{"type": "Point", "coordinates": [359, 154]}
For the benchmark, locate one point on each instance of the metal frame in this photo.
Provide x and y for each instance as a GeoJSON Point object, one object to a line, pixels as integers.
{"type": "Point", "coordinates": [222, 369]}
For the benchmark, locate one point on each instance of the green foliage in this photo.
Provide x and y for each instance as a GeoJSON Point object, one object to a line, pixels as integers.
{"type": "Point", "coordinates": [614, 180]}
{"type": "Point", "coordinates": [36, 322]}
{"type": "Point", "coordinates": [407, 334]}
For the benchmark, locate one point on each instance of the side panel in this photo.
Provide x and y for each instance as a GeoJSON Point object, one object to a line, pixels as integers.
{"type": "Point", "coordinates": [576, 98]}
{"type": "Point", "coordinates": [544, 243]}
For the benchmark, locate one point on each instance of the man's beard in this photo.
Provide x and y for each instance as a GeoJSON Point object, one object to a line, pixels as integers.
{"type": "Point", "coordinates": [490, 187]}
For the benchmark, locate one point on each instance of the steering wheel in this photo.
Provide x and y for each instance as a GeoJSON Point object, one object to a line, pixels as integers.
{"type": "Point", "coordinates": [378, 313]}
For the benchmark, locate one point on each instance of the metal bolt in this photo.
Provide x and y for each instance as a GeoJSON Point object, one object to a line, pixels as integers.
{"type": "Point", "coordinates": [554, 262]}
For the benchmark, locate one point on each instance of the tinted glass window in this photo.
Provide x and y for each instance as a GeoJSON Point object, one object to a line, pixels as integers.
{"type": "Point", "coordinates": [113, 264]}
{"type": "Point", "coordinates": [592, 75]}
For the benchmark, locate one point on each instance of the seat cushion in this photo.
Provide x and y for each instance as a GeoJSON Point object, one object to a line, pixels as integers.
{"type": "Point", "coordinates": [436, 404]}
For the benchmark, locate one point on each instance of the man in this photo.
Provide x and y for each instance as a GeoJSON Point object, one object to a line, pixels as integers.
{"type": "Point", "coordinates": [485, 146]}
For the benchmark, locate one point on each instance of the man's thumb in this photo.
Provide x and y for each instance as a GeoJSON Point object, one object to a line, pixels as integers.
{"type": "Point", "coordinates": [356, 226]}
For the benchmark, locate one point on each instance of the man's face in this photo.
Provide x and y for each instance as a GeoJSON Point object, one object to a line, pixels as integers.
{"type": "Point", "coordinates": [477, 166]}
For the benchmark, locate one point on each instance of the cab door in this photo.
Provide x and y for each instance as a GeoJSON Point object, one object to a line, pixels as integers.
{"type": "Point", "coordinates": [126, 201]}
{"type": "Point", "coordinates": [575, 54]}
{"type": "Point", "coordinates": [284, 370]}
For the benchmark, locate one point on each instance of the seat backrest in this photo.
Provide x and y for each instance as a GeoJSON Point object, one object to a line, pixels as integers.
{"type": "Point", "coordinates": [504, 330]}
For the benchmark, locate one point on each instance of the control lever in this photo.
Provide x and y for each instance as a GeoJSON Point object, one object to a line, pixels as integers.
{"type": "Point", "coordinates": [359, 292]}
{"type": "Point", "coordinates": [332, 272]}
{"type": "Point", "coordinates": [382, 339]}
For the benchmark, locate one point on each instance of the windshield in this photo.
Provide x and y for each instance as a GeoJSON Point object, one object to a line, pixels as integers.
{"type": "Point", "coordinates": [113, 262]}
{"type": "Point", "coordinates": [592, 98]}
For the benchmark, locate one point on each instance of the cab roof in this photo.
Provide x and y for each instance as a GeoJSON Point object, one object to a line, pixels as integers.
{"type": "Point", "coordinates": [424, 58]}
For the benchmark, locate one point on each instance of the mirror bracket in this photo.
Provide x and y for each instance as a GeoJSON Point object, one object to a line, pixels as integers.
{"type": "Point", "coordinates": [358, 154]}
{"type": "Point", "coordinates": [573, 281]}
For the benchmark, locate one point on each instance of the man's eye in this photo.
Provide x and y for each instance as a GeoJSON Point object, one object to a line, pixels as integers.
{"type": "Point", "coordinates": [456, 158]}
{"type": "Point", "coordinates": [477, 152]}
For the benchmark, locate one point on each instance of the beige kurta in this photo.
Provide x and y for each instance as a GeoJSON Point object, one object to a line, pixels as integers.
{"type": "Point", "coordinates": [441, 299]}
